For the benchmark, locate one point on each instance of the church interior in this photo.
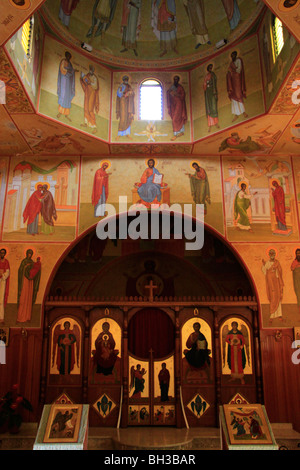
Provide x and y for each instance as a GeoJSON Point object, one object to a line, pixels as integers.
{"type": "Point", "coordinates": [114, 114]}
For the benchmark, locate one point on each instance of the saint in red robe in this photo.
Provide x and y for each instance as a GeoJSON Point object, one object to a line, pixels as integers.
{"type": "Point", "coordinates": [236, 83]}
{"type": "Point", "coordinates": [66, 9]}
{"type": "Point", "coordinates": [100, 190]}
{"type": "Point", "coordinates": [32, 210]}
{"type": "Point", "coordinates": [177, 108]}
{"type": "Point", "coordinates": [4, 267]}
{"type": "Point", "coordinates": [279, 206]}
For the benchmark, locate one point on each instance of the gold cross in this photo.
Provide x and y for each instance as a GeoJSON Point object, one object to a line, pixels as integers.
{"type": "Point", "coordinates": [151, 287]}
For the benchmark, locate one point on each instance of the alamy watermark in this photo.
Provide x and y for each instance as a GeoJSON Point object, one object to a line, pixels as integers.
{"type": "Point", "coordinates": [153, 223]}
{"type": "Point", "coordinates": [2, 352]}
{"type": "Point", "coordinates": [296, 354]}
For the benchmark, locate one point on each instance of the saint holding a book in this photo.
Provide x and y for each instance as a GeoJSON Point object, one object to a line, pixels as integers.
{"type": "Point", "coordinates": [149, 188]}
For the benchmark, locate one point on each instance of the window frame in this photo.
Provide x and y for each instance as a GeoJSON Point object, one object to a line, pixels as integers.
{"type": "Point", "coordinates": [275, 39]}
{"type": "Point", "coordinates": [141, 84]}
{"type": "Point", "coordinates": [29, 36]}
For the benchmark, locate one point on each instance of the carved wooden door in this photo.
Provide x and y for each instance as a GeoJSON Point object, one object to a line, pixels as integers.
{"type": "Point", "coordinates": [151, 391]}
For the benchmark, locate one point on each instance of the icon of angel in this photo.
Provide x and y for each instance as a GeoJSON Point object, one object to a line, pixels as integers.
{"type": "Point", "coordinates": [238, 353]}
{"type": "Point", "coordinates": [151, 132]}
{"type": "Point", "coordinates": [66, 347]}
{"type": "Point", "coordinates": [137, 381]}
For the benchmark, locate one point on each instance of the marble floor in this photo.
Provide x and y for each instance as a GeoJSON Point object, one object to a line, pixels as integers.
{"type": "Point", "coordinates": [150, 438]}
{"type": "Point", "coordinates": [158, 437]}
{"type": "Point", "coordinates": [192, 439]}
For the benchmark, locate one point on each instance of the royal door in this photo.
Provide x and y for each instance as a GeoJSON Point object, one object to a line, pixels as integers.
{"type": "Point", "coordinates": [151, 369]}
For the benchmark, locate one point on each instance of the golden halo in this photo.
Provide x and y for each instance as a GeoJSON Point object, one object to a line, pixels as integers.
{"type": "Point", "coordinates": [4, 248]}
{"type": "Point", "coordinates": [194, 161]}
{"type": "Point", "coordinates": [275, 179]}
{"type": "Point", "coordinates": [243, 182]}
{"type": "Point", "coordinates": [176, 75]}
{"type": "Point", "coordinates": [27, 4]}
{"type": "Point", "coordinates": [271, 248]}
{"type": "Point", "coordinates": [107, 162]}
{"type": "Point", "coordinates": [45, 183]}
{"type": "Point", "coordinates": [287, 9]}
{"type": "Point", "coordinates": [39, 183]}
{"type": "Point", "coordinates": [151, 158]}
{"type": "Point", "coordinates": [210, 62]}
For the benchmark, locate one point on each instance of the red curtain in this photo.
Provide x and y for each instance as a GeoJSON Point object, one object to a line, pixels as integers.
{"type": "Point", "coordinates": [151, 328]}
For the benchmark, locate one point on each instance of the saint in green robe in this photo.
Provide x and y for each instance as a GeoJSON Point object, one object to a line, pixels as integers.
{"type": "Point", "coordinates": [241, 205]}
{"type": "Point", "coordinates": [200, 187]}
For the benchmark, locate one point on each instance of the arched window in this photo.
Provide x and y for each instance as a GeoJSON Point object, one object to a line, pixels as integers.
{"type": "Point", "coordinates": [278, 38]}
{"type": "Point", "coordinates": [27, 34]}
{"type": "Point", "coordinates": [151, 100]}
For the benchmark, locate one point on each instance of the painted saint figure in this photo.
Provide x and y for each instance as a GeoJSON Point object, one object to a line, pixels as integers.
{"type": "Point", "coordinates": [233, 13]}
{"type": "Point", "coordinates": [105, 355]}
{"type": "Point", "coordinates": [177, 107]}
{"type": "Point", "coordinates": [236, 357]}
{"type": "Point", "coordinates": [200, 186]}
{"type": "Point", "coordinates": [255, 428]}
{"type": "Point", "coordinates": [130, 24]}
{"type": "Point", "coordinates": [32, 210]}
{"type": "Point", "coordinates": [149, 190]}
{"type": "Point", "coordinates": [164, 382]}
{"type": "Point", "coordinates": [65, 342]}
{"type": "Point", "coordinates": [62, 425]}
{"type": "Point", "coordinates": [57, 142]}
{"type": "Point", "coordinates": [29, 275]}
{"type": "Point", "coordinates": [102, 16]}
{"type": "Point", "coordinates": [137, 381]}
{"type": "Point", "coordinates": [197, 353]}
{"type": "Point", "coordinates": [239, 425]}
{"type": "Point", "coordinates": [242, 202]}
{"type": "Point", "coordinates": [66, 9]}
{"type": "Point", "coordinates": [164, 25]}
{"type": "Point", "coordinates": [125, 108]}
{"type": "Point", "coordinates": [236, 86]}
{"type": "Point", "coordinates": [100, 190]}
{"type": "Point", "coordinates": [65, 86]}
{"type": "Point", "coordinates": [4, 282]}
{"type": "Point", "coordinates": [90, 86]}
{"type": "Point", "coordinates": [267, 56]}
{"type": "Point", "coordinates": [295, 268]}
{"type": "Point", "coordinates": [274, 284]}
{"type": "Point", "coordinates": [48, 212]}
{"type": "Point", "coordinates": [235, 142]}
{"type": "Point", "coordinates": [196, 15]}
{"type": "Point", "coordinates": [279, 206]}
{"type": "Point", "coordinates": [211, 98]}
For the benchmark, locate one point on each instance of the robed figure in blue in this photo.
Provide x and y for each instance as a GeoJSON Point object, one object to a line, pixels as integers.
{"type": "Point", "coordinates": [148, 190]}
{"type": "Point", "coordinates": [65, 86]}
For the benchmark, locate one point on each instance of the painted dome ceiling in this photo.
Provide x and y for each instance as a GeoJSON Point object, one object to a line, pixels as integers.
{"type": "Point", "coordinates": [150, 33]}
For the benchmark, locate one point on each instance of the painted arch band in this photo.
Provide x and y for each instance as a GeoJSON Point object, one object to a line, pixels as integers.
{"type": "Point", "coordinates": [151, 224]}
